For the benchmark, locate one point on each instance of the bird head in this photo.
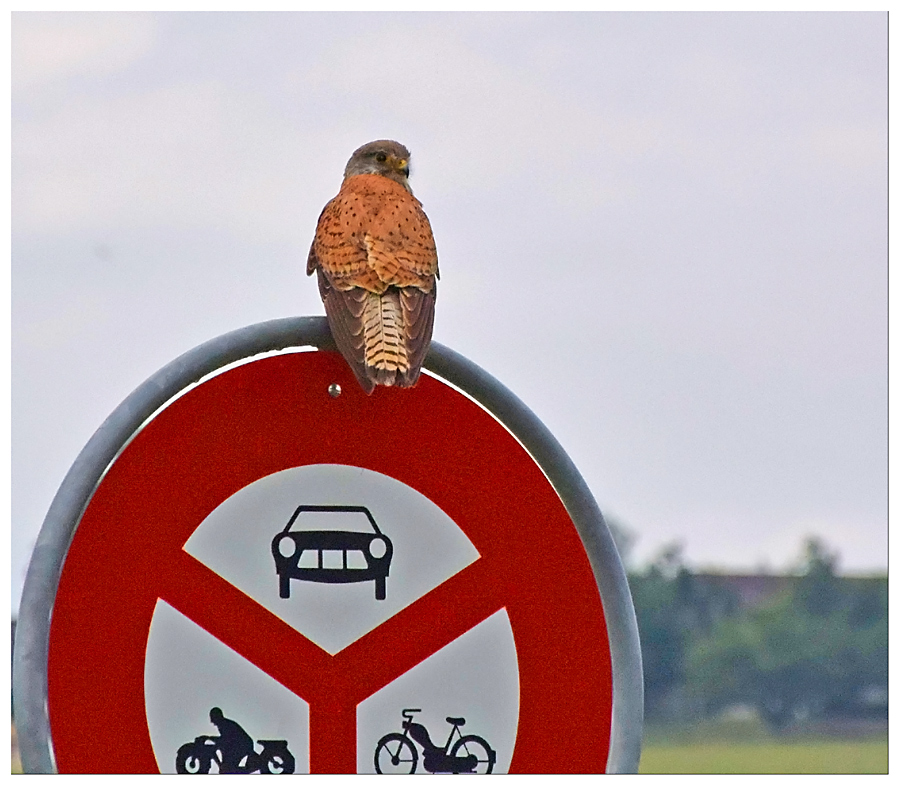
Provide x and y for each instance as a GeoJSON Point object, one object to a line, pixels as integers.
{"type": "Point", "coordinates": [384, 157]}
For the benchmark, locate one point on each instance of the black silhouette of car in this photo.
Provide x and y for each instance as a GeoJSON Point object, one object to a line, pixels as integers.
{"type": "Point", "coordinates": [332, 556]}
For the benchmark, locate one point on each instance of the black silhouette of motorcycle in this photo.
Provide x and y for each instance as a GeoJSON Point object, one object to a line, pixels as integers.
{"type": "Point", "coordinates": [196, 758]}
{"type": "Point", "coordinates": [396, 754]}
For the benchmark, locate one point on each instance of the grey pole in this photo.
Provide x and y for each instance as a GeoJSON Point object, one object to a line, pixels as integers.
{"type": "Point", "coordinates": [42, 578]}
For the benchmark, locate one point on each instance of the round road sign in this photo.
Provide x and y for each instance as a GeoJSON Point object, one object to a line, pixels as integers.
{"type": "Point", "coordinates": [271, 577]}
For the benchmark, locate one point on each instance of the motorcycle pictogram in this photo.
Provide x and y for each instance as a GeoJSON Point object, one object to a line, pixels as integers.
{"type": "Point", "coordinates": [233, 752]}
{"type": "Point", "coordinates": [396, 754]}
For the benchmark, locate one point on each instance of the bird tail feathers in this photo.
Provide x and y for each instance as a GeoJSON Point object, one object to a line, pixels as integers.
{"type": "Point", "coordinates": [385, 347]}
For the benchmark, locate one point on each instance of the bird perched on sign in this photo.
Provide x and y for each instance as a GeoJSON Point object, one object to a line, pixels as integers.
{"type": "Point", "coordinates": [377, 267]}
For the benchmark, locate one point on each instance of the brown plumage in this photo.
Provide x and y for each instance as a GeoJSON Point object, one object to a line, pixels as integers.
{"type": "Point", "coordinates": [377, 267]}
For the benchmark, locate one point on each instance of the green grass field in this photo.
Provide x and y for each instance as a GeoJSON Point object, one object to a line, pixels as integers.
{"type": "Point", "coordinates": [801, 756]}
{"type": "Point", "coordinates": [746, 746]}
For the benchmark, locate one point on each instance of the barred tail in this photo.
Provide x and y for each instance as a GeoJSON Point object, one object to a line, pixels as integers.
{"type": "Point", "coordinates": [384, 338]}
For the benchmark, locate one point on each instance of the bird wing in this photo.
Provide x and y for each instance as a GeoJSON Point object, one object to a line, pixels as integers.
{"type": "Point", "coordinates": [344, 309]}
{"type": "Point", "coordinates": [418, 317]}
{"type": "Point", "coordinates": [374, 234]}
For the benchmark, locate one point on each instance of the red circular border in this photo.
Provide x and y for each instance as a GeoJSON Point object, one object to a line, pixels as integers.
{"type": "Point", "coordinates": [275, 413]}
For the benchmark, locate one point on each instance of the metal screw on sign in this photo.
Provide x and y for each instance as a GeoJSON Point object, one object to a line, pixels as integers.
{"type": "Point", "coordinates": [325, 581]}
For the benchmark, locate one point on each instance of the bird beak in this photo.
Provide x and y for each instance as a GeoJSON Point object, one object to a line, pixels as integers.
{"type": "Point", "coordinates": [402, 165]}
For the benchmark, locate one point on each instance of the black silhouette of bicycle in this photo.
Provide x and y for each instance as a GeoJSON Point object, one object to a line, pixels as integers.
{"type": "Point", "coordinates": [395, 753]}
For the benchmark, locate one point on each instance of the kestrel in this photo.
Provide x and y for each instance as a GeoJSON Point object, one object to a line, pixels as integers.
{"type": "Point", "coordinates": [377, 268]}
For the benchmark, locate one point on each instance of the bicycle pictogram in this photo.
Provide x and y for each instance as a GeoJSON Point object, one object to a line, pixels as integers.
{"type": "Point", "coordinates": [395, 753]}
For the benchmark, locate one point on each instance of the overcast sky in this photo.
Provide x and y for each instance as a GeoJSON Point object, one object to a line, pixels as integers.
{"type": "Point", "coordinates": [665, 233]}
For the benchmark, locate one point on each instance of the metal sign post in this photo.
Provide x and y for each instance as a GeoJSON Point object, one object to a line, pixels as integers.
{"type": "Point", "coordinates": [254, 567]}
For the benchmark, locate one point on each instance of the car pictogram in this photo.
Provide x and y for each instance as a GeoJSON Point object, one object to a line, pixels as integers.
{"type": "Point", "coordinates": [357, 551]}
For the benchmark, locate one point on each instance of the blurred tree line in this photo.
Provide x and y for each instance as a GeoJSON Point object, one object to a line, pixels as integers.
{"type": "Point", "coordinates": [814, 650]}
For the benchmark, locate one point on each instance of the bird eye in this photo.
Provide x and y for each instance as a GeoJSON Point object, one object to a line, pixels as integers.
{"type": "Point", "coordinates": [380, 158]}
